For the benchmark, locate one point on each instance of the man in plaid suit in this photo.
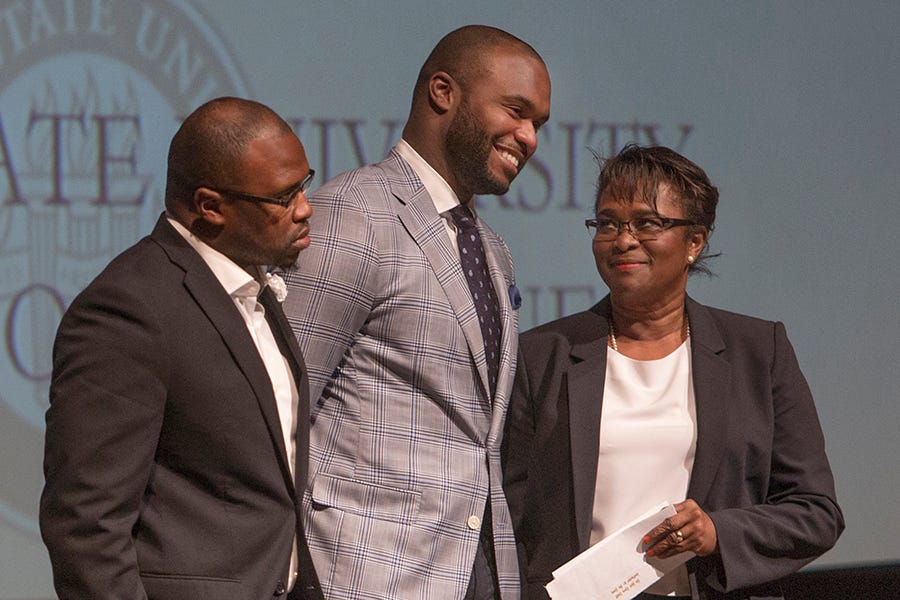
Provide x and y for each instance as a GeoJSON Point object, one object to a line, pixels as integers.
{"type": "Point", "coordinates": [405, 496]}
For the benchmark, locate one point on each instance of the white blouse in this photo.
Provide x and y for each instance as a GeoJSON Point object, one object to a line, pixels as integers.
{"type": "Point", "coordinates": [648, 437]}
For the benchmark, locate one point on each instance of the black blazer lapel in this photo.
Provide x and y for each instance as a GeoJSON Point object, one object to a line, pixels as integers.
{"type": "Point", "coordinates": [585, 394]}
{"type": "Point", "coordinates": [425, 226]}
{"type": "Point", "coordinates": [218, 306]}
{"type": "Point", "coordinates": [287, 343]}
{"type": "Point", "coordinates": [712, 381]}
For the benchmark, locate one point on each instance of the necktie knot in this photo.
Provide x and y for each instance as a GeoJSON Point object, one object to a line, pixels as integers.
{"type": "Point", "coordinates": [463, 217]}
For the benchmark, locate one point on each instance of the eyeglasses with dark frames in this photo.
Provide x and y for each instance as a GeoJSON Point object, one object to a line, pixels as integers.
{"type": "Point", "coordinates": [283, 200]}
{"type": "Point", "coordinates": [640, 228]}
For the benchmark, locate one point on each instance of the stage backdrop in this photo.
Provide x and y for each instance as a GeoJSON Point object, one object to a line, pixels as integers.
{"type": "Point", "coordinates": [792, 108]}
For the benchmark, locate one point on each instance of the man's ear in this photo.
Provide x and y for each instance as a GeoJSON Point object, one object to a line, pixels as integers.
{"type": "Point", "coordinates": [443, 91]}
{"type": "Point", "coordinates": [208, 205]}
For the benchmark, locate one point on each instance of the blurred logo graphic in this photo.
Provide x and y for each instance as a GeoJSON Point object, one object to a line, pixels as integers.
{"type": "Point", "coordinates": [90, 95]}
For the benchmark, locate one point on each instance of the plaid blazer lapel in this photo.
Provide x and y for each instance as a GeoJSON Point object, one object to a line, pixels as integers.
{"type": "Point", "coordinates": [502, 276]}
{"type": "Point", "coordinates": [426, 227]}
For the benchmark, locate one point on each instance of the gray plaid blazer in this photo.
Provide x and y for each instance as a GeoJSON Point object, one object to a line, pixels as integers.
{"type": "Point", "coordinates": [405, 440]}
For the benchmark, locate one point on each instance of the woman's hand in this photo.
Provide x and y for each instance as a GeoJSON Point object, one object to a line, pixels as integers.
{"type": "Point", "coordinates": [689, 530]}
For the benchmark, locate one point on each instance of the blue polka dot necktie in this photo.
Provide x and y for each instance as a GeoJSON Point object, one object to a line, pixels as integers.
{"type": "Point", "coordinates": [474, 265]}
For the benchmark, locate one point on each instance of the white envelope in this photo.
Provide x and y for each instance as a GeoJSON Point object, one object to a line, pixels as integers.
{"type": "Point", "coordinates": [615, 568]}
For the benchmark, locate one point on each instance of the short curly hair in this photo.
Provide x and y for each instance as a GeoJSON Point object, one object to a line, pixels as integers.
{"type": "Point", "coordinates": [636, 173]}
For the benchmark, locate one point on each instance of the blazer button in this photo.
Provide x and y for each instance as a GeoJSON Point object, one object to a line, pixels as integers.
{"type": "Point", "coordinates": [474, 523]}
{"type": "Point", "coordinates": [279, 589]}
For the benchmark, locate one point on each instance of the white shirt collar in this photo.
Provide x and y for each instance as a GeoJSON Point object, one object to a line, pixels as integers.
{"type": "Point", "coordinates": [441, 193]}
{"type": "Point", "coordinates": [235, 280]}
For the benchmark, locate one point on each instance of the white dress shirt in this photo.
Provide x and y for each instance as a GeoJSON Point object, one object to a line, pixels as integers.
{"type": "Point", "coordinates": [442, 195]}
{"type": "Point", "coordinates": [648, 437]}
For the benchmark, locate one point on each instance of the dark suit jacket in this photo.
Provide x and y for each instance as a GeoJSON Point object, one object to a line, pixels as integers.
{"type": "Point", "coordinates": [760, 470]}
{"type": "Point", "coordinates": [166, 472]}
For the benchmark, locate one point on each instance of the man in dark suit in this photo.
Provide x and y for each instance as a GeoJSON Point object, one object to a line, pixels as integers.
{"type": "Point", "coordinates": [177, 433]}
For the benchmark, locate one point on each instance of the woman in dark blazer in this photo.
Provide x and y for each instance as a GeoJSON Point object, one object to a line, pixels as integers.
{"type": "Point", "coordinates": [651, 397]}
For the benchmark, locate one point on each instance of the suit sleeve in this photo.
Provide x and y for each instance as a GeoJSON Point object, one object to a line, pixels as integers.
{"type": "Point", "coordinates": [517, 440]}
{"type": "Point", "coordinates": [800, 518]}
{"type": "Point", "coordinates": [331, 289]}
{"type": "Point", "coordinates": [515, 451]}
{"type": "Point", "coordinates": [107, 399]}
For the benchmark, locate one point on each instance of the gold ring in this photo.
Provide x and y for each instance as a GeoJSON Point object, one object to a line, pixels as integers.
{"type": "Point", "coordinates": [679, 536]}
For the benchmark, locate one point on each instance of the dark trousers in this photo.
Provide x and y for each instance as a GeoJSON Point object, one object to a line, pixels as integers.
{"type": "Point", "coordinates": [483, 583]}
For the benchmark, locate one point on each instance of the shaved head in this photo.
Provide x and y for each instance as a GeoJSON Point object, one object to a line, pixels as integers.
{"type": "Point", "coordinates": [230, 165]}
{"type": "Point", "coordinates": [211, 142]}
{"type": "Point", "coordinates": [461, 54]}
{"type": "Point", "coordinates": [479, 100]}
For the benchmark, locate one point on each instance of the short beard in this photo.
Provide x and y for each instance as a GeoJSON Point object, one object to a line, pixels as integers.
{"type": "Point", "coordinates": [468, 149]}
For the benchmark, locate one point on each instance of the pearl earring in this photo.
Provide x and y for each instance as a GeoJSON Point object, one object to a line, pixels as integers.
{"type": "Point", "coordinates": [690, 259]}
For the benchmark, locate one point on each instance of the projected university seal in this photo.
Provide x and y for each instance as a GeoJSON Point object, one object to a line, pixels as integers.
{"type": "Point", "coordinates": [90, 93]}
